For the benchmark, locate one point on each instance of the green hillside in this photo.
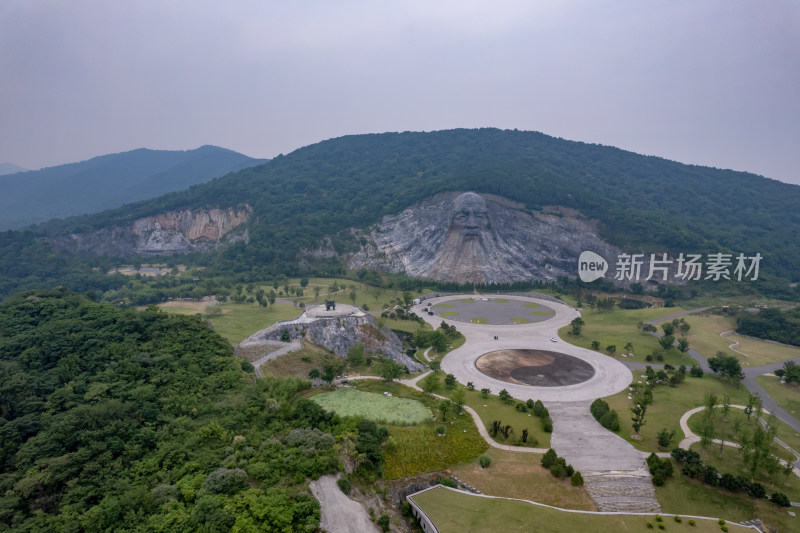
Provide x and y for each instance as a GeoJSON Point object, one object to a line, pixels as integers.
{"type": "Point", "coordinates": [642, 202]}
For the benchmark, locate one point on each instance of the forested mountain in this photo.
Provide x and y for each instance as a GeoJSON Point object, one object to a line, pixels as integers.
{"type": "Point", "coordinates": [120, 420]}
{"type": "Point", "coordinates": [10, 168]}
{"type": "Point", "coordinates": [109, 181]}
{"type": "Point", "coordinates": [640, 202]}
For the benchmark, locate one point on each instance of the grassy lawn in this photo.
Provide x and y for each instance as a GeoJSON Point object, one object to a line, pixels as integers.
{"type": "Point", "coordinates": [409, 326]}
{"type": "Point", "coordinates": [618, 327]}
{"type": "Point", "coordinates": [521, 475]}
{"type": "Point", "coordinates": [730, 462]}
{"type": "Point", "coordinates": [417, 449]}
{"type": "Point", "coordinates": [705, 338]}
{"type": "Point", "coordinates": [374, 298]}
{"type": "Point", "coordinates": [785, 433]}
{"type": "Point", "coordinates": [762, 352]}
{"type": "Point", "coordinates": [669, 404]}
{"type": "Point", "coordinates": [378, 407]}
{"type": "Point", "coordinates": [787, 395]}
{"type": "Point", "coordinates": [237, 321]}
{"type": "Point", "coordinates": [684, 495]}
{"type": "Point", "coordinates": [493, 408]}
{"type": "Point", "coordinates": [704, 335]}
{"type": "Point", "coordinates": [459, 512]}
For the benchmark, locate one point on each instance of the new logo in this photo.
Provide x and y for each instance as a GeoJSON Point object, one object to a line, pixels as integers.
{"type": "Point", "coordinates": [591, 266]}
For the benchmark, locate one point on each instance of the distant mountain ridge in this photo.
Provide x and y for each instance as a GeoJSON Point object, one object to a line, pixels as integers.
{"type": "Point", "coordinates": [110, 181]}
{"type": "Point", "coordinates": [10, 168]}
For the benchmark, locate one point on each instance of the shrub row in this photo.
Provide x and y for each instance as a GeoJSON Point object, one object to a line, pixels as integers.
{"type": "Point", "coordinates": [697, 469]}
{"type": "Point", "coordinates": [607, 417]}
{"type": "Point", "coordinates": [559, 468]}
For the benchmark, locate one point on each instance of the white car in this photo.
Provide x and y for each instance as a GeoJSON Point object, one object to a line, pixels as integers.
{"type": "Point", "coordinates": [553, 339]}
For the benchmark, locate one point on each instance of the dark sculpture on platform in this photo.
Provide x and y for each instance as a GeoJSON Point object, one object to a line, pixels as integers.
{"type": "Point", "coordinates": [330, 304]}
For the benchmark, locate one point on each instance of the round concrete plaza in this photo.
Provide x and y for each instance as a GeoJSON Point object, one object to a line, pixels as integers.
{"type": "Point", "coordinates": [492, 310]}
{"type": "Point", "coordinates": [607, 376]}
{"type": "Point", "coordinates": [539, 368]}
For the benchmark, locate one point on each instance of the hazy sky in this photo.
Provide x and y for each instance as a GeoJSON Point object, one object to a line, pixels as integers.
{"type": "Point", "coordinates": [710, 82]}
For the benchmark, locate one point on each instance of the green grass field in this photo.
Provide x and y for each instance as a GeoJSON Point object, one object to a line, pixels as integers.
{"type": "Point", "coordinates": [373, 406]}
{"type": "Point", "coordinates": [417, 449]}
{"type": "Point", "coordinates": [669, 404]}
{"type": "Point", "coordinates": [493, 408]}
{"type": "Point", "coordinates": [705, 338]}
{"type": "Point", "coordinates": [618, 327]}
{"type": "Point", "coordinates": [458, 512]}
{"type": "Point", "coordinates": [690, 497]}
{"type": "Point", "coordinates": [521, 475]}
{"type": "Point", "coordinates": [786, 395]}
{"type": "Point", "coordinates": [736, 416]}
{"type": "Point", "coordinates": [240, 320]}
{"type": "Point", "coordinates": [730, 462]}
{"type": "Point", "coordinates": [374, 298]}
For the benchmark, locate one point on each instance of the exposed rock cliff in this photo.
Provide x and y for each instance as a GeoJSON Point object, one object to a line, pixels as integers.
{"type": "Point", "coordinates": [471, 238]}
{"type": "Point", "coordinates": [172, 232]}
{"type": "Point", "coordinates": [338, 331]}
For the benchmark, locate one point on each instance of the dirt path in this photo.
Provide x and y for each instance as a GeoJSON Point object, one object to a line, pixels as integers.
{"type": "Point", "coordinates": [339, 514]}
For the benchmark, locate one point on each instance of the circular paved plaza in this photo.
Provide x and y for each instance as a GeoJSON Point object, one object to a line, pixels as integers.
{"type": "Point", "coordinates": [585, 375]}
{"type": "Point", "coordinates": [496, 311]}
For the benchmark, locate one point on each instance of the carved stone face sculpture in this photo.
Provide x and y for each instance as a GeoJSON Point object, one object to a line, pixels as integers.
{"type": "Point", "coordinates": [470, 216]}
{"type": "Point", "coordinates": [467, 250]}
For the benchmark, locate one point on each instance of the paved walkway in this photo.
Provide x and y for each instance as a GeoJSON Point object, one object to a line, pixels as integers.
{"type": "Point", "coordinates": [615, 472]}
{"type": "Point", "coordinates": [338, 513]}
{"type": "Point", "coordinates": [284, 348]}
{"type": "Point", "coordinates": [692, 438]}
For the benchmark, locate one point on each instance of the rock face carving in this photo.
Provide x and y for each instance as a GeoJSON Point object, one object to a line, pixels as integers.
{"type": "Point", "coordinates": [472, 238]}
{"type": "Point", "coordinates": [172, 232]}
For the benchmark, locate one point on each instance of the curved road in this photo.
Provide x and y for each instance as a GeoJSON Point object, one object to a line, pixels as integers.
{"type": "Point", "coordinates": [750, 375]}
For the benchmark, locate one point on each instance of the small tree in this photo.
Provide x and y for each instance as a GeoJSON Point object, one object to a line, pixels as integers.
{"type": "Point", "coordinates": [577, 324]}
{"type": "Point", "coordinates": [355, 355]}
{"type": "Point", "coordinates": [504, 395]}
{"type": "Point", "coordinates": [728, 367]}
{"type": "Point", "coordinates": [390, 370]}
{"type": "Point", "coordinates": [595, 345]}
{"type": "Point", "coordinates": [444, 407]}
{"type": "Point", "coordinates": [683, 345]}
{"type": "Point", "coordinates": [664, 438]}
{"type": "Point", "coordinates": [313, 373]}
{"type": "Point", "coordinates": [286, 336]}
{"type": "Point", "coordinates": [459, 397]}
{"type": "Point", "coordinates": [470, 386]}
{"type": "Point", "coordinates": [666, 341]}
{"type": "Point", "coordinates": [485, 393]}
{"type": "Point", "coordinates": [577, 479]}
{"type": "Point", "coordinates": [430, 384]}
{"type": "Point", "coordinates": [450, 381]}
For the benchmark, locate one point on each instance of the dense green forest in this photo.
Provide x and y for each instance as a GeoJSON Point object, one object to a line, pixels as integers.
{"type": "Point", "coordinates": [643, 203]}
{"type": "Point", "coordinates": [118, 420]}
{"type": "Point", "coordinates": [771, 324]}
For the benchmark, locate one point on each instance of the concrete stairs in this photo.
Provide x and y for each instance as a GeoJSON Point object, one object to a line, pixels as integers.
{"type": "Point", "coordinates": [622, 491]}
{"type": "Point", "coordinates": [614, 472]}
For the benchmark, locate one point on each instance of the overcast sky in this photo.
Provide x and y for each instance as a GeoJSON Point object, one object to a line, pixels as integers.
{"type": "Point", "coordinates": [710, 82]}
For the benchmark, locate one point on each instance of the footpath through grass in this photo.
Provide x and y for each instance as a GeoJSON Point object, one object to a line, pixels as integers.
{"type": "Point", "coordinates": [493, 408]}
{"type": "Point", "coordinates": [669, 405]}
{"type": "Point", "coordinates": [704, 337]}
{"type": "Point", "coordinates": [414, 450]}
{"type": "Point", "coordinates": [458, 512]}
